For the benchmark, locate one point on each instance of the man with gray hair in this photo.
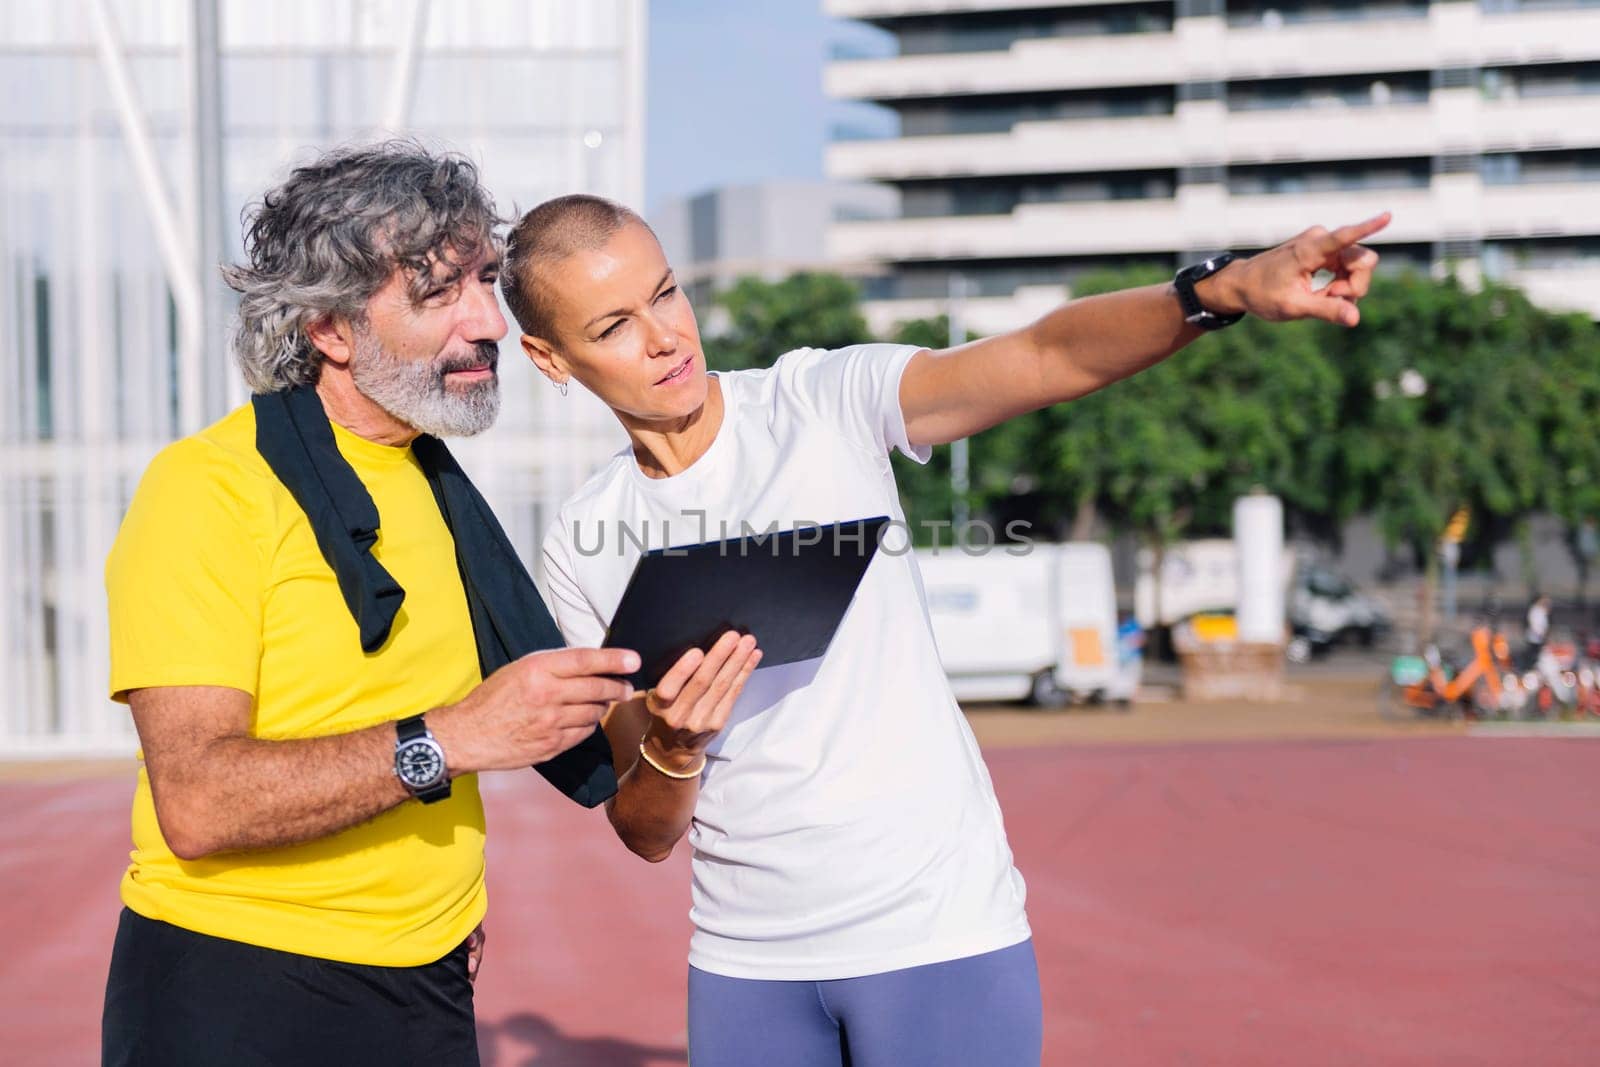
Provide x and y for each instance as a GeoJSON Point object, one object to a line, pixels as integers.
{"type": "Point", "coordinates": [324, 636]}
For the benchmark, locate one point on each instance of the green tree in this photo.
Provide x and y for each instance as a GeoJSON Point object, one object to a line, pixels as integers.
{"type": "Point", "coordinates": [1463, 412]}
{"type": "Point", "coordinates": [767, 319]}
{"type": "Point", "coordinates": [1165, 453]}
{"type": "Point", "coordinates": [1170, 449]}
{"type": "Point", "coordinates": [1571, 401]}
{"type": "Point", "coordinates": [1125, 454]}
{"type": "Point", "coordinates": [1444, 398]}
{"type": "Point", "coordinates": [1001, 482]}
{"type": "Point", "coordinates": [926, 492]}
{"type": "Point", "coordinates": [1013, 470]}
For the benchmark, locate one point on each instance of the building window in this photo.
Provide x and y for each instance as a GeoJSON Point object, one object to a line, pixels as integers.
{"type": "Point", "coordinates": [1367, 90]}
{"type": "Point", "coordinates": [1001, 196]}
{"type": "Point", "coordinates": [1497, 7]}
{"type": "Point", "coordinates": [1501, 169]}
{"type": "Point", "coordinates": [1246, 14]}
{"type": "Point", "coordinates": [1329, 177]}
{"type": "Point", "coordinates": [1542, 253]}
{"type": "Point", "coordinates": [999, 113]}
{"type": "Point", "coordinates": [998, 31]}
{"type": "Point", "coordinates": [1530, 168]}
{"type": "Point", "coordinates": [1549, 79]}
{"type": "Point", "coordinates": [1001, 278]}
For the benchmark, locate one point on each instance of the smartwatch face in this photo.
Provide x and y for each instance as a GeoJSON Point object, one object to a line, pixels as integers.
{"type": "Point", "coordinates": [419, 764]}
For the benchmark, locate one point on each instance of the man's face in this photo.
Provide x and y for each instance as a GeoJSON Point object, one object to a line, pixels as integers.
{"type": "Point", "coordinates": [625, 330]}
{"type": "Point", "coordinates": [431, 362]}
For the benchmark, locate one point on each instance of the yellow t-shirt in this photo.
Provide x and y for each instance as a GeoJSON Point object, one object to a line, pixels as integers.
{"type": "Point", "coordinates": [216, 579]}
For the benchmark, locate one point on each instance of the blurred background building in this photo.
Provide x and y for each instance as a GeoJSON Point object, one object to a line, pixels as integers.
{"type": "Point", "coordinates": [987, 150]}
{"type": "Point", "coordinates": [764, 229]}
{"type": "Point", "coordinates": [1033, 140]}
{"type": "Point", "coordinates": [138, 131]}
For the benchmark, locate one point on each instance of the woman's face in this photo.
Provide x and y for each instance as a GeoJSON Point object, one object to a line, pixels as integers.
{"type": "Point", "coordinates": [625, 330]}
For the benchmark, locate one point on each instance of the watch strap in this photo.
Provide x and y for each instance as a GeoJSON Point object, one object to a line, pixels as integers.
{"type": "Point", "coordinates": [1194, 312]}
{"type": "Point", "coordinates": [434, 793]}
{"type": "Point", "coordinates": [413, 729]}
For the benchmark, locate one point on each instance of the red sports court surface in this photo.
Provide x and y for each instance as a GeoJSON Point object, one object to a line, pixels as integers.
{"type": "Point", "coordinates": [1372, 902]}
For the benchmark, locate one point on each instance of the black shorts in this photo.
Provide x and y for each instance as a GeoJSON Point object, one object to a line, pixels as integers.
{"type": "Point", "coordinates": [176, 998]}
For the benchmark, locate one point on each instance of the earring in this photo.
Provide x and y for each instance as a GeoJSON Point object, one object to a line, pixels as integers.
{"type": "Point", "coordinates": [561, 387]}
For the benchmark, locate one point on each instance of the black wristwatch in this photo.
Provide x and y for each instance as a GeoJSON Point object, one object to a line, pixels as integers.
{"type": "Point", "coordinates": [1193, 311]}
{"type": "Point", "coordinates": [419, 761]}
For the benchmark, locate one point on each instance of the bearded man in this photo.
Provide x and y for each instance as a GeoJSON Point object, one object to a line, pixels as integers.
{"type": "Point", "coordinates": [324, 636]}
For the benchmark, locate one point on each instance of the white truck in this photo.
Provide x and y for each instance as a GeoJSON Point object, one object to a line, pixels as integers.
{"type": "Point", "coordinates": [1202, 577]}
{"type": "Point", "coordinates": [1197, 577]}
{"type": "Point", "coordinates": [1038, 625]}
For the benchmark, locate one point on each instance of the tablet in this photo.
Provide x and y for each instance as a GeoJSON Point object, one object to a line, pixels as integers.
{"type": "Point", "coordinates": [789, 588]}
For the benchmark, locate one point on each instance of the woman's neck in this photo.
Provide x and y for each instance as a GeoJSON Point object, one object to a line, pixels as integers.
{"type": "Point", "coordinates": [665, 449]}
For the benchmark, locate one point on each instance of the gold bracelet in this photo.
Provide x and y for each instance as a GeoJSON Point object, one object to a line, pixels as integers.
{"type": "Point", "coordinates": [682, 776]}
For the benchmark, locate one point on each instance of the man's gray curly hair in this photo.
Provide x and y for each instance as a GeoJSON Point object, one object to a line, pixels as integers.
{"type": "Point", "coordinates": [326, 239]}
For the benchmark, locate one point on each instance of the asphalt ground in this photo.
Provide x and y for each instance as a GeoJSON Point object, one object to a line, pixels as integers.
{"type": "Point", "coordinates": [1208, 884]}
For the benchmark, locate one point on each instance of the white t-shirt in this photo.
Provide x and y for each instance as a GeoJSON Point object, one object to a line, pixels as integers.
{"type": "Point", "coordinates": [846, 823]}
{"type": "Point", "coordinates": [1538, 627]}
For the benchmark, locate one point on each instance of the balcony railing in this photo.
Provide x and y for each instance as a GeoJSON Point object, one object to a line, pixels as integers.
{"type": "Point", "coordinates": [1449, 37]}
{"type": "Point", "coordinates": [1210, 218]}
{"type": "Point", "coordinates": [1164, 141]}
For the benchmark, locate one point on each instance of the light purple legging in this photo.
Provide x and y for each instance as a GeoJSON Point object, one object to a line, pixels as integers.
{"type": "Point", "coordinates": [961, 1013]}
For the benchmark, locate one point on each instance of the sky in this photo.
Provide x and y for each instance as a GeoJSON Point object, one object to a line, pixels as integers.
{"type": "Point", "coordinates": [734, 93]}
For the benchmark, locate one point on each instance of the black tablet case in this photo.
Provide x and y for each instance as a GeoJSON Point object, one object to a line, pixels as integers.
{"type": "Point", "coordinates": [790, 588]}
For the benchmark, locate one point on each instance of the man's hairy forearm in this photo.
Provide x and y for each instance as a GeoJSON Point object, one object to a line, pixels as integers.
{"type": "Point", "coordinates": [218, 789]}
{"type": "Point", "coordinates": [241, 793]}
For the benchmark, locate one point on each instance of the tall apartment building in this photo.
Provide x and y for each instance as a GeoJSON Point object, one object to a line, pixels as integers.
{"type": "Point", "coordinates": [1040, 139]}
{"type": "Point", "coordinates": [100, 370]}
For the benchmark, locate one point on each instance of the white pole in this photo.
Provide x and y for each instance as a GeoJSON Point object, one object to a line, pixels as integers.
{"type": "Point", "coordinates": [635, 50]}
{"type": "Point", "coordinates": [959, 479]}
{"type": "Point", "coordinates": [1258, 547]}
{"type": "Point", "coordinates": [14, 620]}
{"type": "Point", "coordinates": [78, 482]}
{"type": "Point", "coordinates": [403, 81]}
{"type": "Point", "coordinates": [176, 256]}
{"type": "Point", "coordinates": [205, 114]}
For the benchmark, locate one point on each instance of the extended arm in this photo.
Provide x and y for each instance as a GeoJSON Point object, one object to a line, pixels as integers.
{"type": "Point", "coordinates": [1090, 343]}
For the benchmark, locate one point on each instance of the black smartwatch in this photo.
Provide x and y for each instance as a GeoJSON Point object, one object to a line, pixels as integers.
{"type": "Point", "coordinates": [419, 761]}
{"type": "Point", "coordinates": [1193, 311]}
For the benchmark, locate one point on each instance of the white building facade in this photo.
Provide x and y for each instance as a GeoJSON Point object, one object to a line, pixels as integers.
{"type": "Point", "coordinates": [1038, 140]}
{"type": "Point", "coordinates": [102, 364]}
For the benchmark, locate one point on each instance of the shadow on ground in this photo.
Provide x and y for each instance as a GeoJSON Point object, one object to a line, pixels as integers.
{"type": "Point", "coordinates": [528, 1040]}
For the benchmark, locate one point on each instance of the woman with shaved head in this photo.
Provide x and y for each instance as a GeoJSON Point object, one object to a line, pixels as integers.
{"type": "Point", "coordinates": [855, 899]}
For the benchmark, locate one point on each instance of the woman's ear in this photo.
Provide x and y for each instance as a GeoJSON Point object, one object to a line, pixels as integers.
{"type": "Point", "coordinates": [546, 358]}
{"type": "Point", "coordinates": [333, 337]}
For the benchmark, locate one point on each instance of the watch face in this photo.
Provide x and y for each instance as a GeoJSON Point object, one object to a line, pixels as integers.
{"type": "Point", "coordinates": [419, 764]}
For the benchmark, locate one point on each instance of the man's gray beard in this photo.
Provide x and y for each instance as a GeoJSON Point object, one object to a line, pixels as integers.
{"type": "Point", "coordinates": [415, 392]}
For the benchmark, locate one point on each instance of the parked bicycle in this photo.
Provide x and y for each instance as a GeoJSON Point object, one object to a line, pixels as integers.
{"type": "Point", "coordinates": [1565, 680]}
{"type": "Point", "coordinates": [1432, 686]}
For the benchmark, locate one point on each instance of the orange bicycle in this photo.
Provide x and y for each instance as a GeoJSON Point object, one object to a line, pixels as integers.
{"type": "Point", "coordinates": [1428, 686]}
